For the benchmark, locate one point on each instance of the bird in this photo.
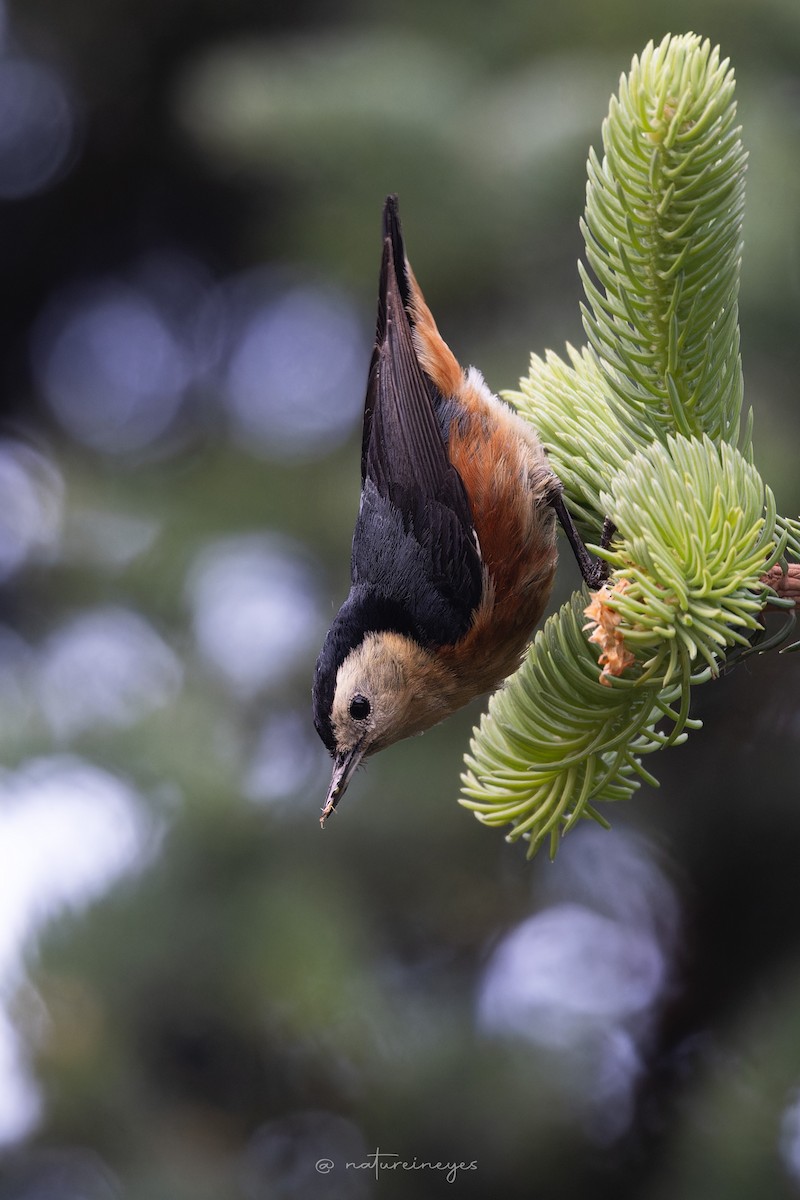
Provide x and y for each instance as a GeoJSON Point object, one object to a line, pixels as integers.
{"type": "Point", "coordinates": [454, 549]}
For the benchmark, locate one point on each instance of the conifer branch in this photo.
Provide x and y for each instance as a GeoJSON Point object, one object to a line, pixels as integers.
{"type": "Point", "coordinates": [642, 425]}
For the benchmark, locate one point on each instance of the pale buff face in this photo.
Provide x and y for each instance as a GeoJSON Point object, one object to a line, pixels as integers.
{"type": "Point", "coordinates": [398, 682]}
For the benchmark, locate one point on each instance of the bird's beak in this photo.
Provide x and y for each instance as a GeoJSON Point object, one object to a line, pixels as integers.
{"type": "Point", "coordinates": [344, 766]}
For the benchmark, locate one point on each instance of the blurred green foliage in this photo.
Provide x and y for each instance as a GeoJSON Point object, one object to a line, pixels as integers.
{"type": "Point", "coordinates": [258, 994]}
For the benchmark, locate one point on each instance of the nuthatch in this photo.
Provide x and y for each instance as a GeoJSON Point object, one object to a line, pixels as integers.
{"type": "Point", "coordinates": [454, 550]}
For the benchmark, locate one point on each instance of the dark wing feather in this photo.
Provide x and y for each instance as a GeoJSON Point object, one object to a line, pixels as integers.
{"type": "Point", "coordinates": [416, 567]}
{"type": "Point", "coordinates": [406, 473]}
{"type": "Point", "coordinates": [393, 261]}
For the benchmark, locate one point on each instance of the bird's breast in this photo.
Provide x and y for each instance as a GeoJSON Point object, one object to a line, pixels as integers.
{"type": "Point", "coordinates": [509, 483]}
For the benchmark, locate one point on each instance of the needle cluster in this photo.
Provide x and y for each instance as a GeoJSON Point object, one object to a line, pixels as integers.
{"type": "Point", "coordinates": [642, 425]}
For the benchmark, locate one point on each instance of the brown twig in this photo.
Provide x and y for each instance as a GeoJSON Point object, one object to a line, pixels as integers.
{"type": "Point", "coordinates": [784, 584]}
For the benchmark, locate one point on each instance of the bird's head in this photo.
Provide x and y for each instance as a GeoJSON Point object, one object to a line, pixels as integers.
{"type": "Point", "coordinates": [386, 688]}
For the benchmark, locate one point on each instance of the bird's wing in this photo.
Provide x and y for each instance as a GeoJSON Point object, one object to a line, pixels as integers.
{"type": "Point", "coordinates": [406, 474]}
{"type": "Point", "coordinates": [393, 277]}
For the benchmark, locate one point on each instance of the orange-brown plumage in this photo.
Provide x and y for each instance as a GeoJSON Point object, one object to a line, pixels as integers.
{"type": "Point", "coordinates": [454, 551]}
{"type": "Point", "coordinates": [509, 485]}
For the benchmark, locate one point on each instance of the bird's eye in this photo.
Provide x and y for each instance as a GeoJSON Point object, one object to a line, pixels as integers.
{"type": "Point", "coordinates": [359, 707]}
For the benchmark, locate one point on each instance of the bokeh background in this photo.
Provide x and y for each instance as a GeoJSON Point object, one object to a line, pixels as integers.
{"type": "Point", "coordinates": [201, 994]}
